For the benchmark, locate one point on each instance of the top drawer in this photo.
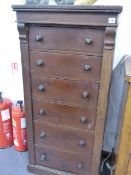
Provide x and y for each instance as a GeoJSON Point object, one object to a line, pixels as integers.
{"type": "Point", "coordinates": [66, 39]}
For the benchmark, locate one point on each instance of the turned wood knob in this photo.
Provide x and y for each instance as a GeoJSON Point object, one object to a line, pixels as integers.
{"type": "Point", "coordinates": [41, 87]}
{"type": "Point", "coordinates": [43, 157]}
{"type": "Point", "coordinates": [82, 143]}
{"type": "Point", "coordinates": [83, 119]}
{"type": "Point", "coordinates": [80, 165]}
{"type": "Point", "coordinates": [38, 38]}
{"type": "Point", "coordinates": [85, 94]}
{"type": "Point", "coordinates": [87, 67]}
{"type": "Point", "coordinates": [43, 135]}
{"type": "Point", "coordinates": [40, 63]}
{"type": "Point", "coordinates": [42, 112]}
{"type": "Point", "coordinates": [88, 40]}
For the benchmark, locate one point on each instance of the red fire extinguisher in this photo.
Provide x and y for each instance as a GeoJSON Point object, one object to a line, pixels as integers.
{"type": "Point", "coordinates": [19, 127]}
{"type": "Point", "coordinates": [6, 134]}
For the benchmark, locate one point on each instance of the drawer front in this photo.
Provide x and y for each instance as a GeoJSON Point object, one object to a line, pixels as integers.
{"type": "Point", "coordinates": [63, 137]}
{"type": "Point", "coordinates": [65, 91]}
{"type": "Point", "coordinates": [66, 66]}
{"type": "Point", "coordinates": [60, 114]}
{"type": "Point", "coordinates": [61, 160]}
{"type": "Point", "coordinates": [66, 39]}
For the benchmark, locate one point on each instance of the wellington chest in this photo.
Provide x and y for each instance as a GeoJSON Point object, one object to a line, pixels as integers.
{"type": "Point", "coordinates": [66, 54]}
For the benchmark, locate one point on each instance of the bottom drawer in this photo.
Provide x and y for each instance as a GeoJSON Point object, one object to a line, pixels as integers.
{"type": "Point", "coordinates": [65, 161]}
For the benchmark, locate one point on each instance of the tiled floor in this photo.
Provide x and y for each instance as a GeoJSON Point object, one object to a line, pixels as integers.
{"type": "Point", "coordinates": [13, 162]}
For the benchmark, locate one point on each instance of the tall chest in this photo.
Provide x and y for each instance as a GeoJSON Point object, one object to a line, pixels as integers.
{"type": "Point", "coordinates": [66, 55]}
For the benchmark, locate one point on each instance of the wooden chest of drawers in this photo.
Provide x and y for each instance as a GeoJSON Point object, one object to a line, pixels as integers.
{"type": "Point", "coordinates": [67, 59]}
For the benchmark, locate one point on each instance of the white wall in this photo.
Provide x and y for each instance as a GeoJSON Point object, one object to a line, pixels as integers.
{"type": "Point", "coordinates": [123, 37]}
{"type": "Point", "coordinates": [11, 83]}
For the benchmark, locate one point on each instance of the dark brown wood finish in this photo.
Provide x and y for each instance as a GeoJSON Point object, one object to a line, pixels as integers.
{"type": "Point", "coordinates": [67, 56]}
{"type": "Point", "coordinates": [37, 169]}
{"type": "Point", "coordinates": [62, 160]}
{"type": "Point", "coordinates": [61, 114]}
{"type": "Point", "coordinates": [66, 66]}
{"type": "Point", "coordinates": [72, 92]}
{"type": "Point", "coordinates": [65, 138]}
{"type": "Point", "coordinates": [68, 15]}
{"type": "Point", "coordinates": [23, 36]}
{"type": "Point", "coordinates": [63, 39]}
{"type": "Point", "coordinates": [103, 96]}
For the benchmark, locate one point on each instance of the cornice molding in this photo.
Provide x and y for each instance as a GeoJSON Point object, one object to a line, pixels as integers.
{"type": "Point", "coordinates": [109, 42]}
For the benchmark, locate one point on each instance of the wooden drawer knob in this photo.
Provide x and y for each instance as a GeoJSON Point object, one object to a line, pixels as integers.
{"type": "Point", "coordinates": [85, 94]}
{"type": "Point", "coordinates": [80, 165]}
{"type": "Point", "coordinates": [82, 143]}
{"type": "Point", "coordinates": [83, 119]}
{"type": "Point", "coordinates": [43, 157]}
{"type": "Point", "coordinates": [41, 87]}
{"type": "Point", "coordinates": [40, 63]}
{"type": "Point", "coordinates": [87, 67]}
{"type": "Point", "coordinates": [88, 40]}
{"type": "Point", "coordinates": [42, 112]}
{"type": "Point", "coordinates": [43, 135]}
{"type": "Point", "coordinates": [38, 38]}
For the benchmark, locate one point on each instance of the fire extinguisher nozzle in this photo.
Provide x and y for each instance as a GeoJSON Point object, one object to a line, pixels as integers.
{"type": "Point", "coordinates": [20, 104]}
{"type": "Point", "coordinates": [1, 98]}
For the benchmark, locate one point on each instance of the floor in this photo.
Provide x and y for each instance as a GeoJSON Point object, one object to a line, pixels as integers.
{"type": "Point", "coordinates": [14, 163]}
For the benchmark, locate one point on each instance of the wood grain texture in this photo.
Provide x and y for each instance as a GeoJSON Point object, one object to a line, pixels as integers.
{"type": "Point", "coordinates": [60, 93]}
{"type": "Point", "coordinates": [63, 138]}
{"type": "Point", "coordinates": [66, 66]}
{"type": "Point", "coordinates": [37, 169]}
{"type": "Point", "coordinates": [129, 166]}
{"type": "Point", "coordinates": [23, 35]}
{"type": "Point", "coordinates": [103, 100]}
{"type": "Point", "coordinates": [70, 8]}
{"type": "Point", "coordinates": [71, 92]}
{"type": "Point", "coordinates": [59, 38]}
{"type": "Point", "coordinates": [65, 115]}
{"type": "Point", "coordinates": [125, 141]}
{"type": "Point", "coordinates": [85, 15]}
{"type": "Point", "coordinates": [128, 68]}
{"type": "Point", "coordinates": [63, 160]}
{"type": "Point", "coordinates": [123, 163]}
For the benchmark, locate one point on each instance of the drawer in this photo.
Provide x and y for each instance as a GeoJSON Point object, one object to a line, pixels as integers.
{"type": "Point", "coordinates": [64, 138]}
{"type": "Point", "coordinates": [65, 91]}
{"type": "Point", "coordinates": [66, 39]}
{"type": "Point", "coordinates": [66, 66]}
{"type": "Point", "coordinates": [61, 160]}
{"type": "Point", "coordinates": [65, 115]}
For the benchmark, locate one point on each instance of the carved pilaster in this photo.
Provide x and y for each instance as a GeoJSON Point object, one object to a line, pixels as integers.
{"type": "Point", "coordinates": [110, 38]}
{"type": "Point", "coordinates": [22, 28]}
